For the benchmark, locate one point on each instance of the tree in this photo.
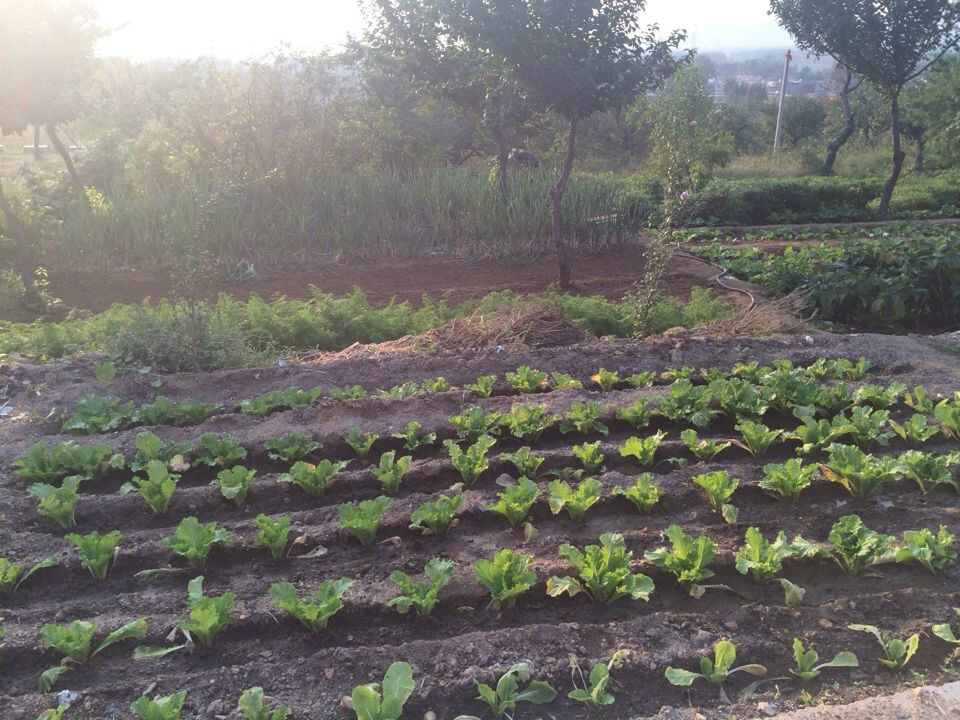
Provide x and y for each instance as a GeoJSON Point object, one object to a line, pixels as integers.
{"type": "Point", "coordinates": [847, 87]}
{"type": "Point", "coordinates": [576, 58]}
{"type": "Point", "coordinates": [886, 42]}
{"type": "Point", "coordinates": [930, 104]}
{"type": "Point", "coordinates": [802, 118]}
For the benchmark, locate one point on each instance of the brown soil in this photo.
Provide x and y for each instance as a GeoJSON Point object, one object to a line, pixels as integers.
{"type": "Point", "coordinates": [610, 273]}
{"type": "Point", "coordinates": [461, 642]}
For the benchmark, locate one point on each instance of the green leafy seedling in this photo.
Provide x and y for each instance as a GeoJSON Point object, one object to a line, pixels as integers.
{"type": "Point", "coordinates": [193, 540]}
{"type": "Point", "coordinates": [928, 470]}
{"type": "Point", "coordinates": [75, 641]}
{"type": "Point", "coordinates": [527, 422]}
{"type": "Point", "coordinates": [505, 576]}
{"type": "Point", "coordinates": [575, 501]}
{"type": "Point", "coordinates": [385, 701]}
{"type": "Point", "coordinates": [606, 379]}
{"type": "Point", "coordinates": [516, 499]}
{"type": "Point", "coordinates": [915, 431]}
{"type": "Point", "coordinates": [207, 615]}
{"type": "Point", "coordinates": [563, 381]}
{"type": "Point", "coordinates": [644, 450]}
{"type": "Point", "coordinates": [594, 689]}
{"type": "Point", "coordinates": [475, 422]}
{"type": "Point", "coordinates": [314, 612]}
{"type": "Point", "coordinates": [482, 386]}
{"type": "Point", "coordinates": [934, 551]}
{"type": "Point", "coordinates": [216, 451]}
{"type": "Point", "coordinates": [509, 693]}
{"type": "Point", "coordinates": [234, 483]}
{"type": "Point", "coordinates": [861, 474]}
{"type": "Point", "coordinates": [637, 415]}
{"type": "Point", "coordinates": [719, 487]}
{"type": "Point", "coordinates": [360, 442]}
{"type": "Point", "coordinates": [787, 480]}
{"type": "Point", "coordinates": [421, 596]}
{"type": "Point", "coordinates": [641, 380]}
{"type": "Point", "coordinates": [704, 450]}
{"type": "Point", "coordinates": [273, 534]}
{"type": "Point", "coordinates": [96, 550]}
{"type": "Point", "coordinates": [524, 461]}
{"type": "Point", "coordinates": [526, 379]}
{"type": "Point", "coordinates": [253, 707]}
{"type": "Point", "coordinates": [313, 479]}
{"type": "Point", "coordinates": [807, 668]}
{"type": "Point", "coordinates": [391, 470]}
{"type": "Point", "coordinates": [291, 447]}
{"type": "Point", "coordinates": [151, 448]}
{"type": "Point", "coordinates": [58, 503]}
{"type": "Point", "coordinates": [604, 572]}
{"type": "Point", "coordinates": [436, 517]}
{"type": "Point", "coordinates": [362, 519]}
{"type": "Point", "coordinates": [714, 670]}
{"type": "Point", "coordinates": [589, 455]}
{"type": "Point", "coordinates": [414, 437]}
{"type": "Point", "coordinates": [757, 437]}
{"type": "Point", "coordinates": [12, 575]}
{"type": "Point", "coordinates": [856, 547]}
{"type": "Point", "coordinates": [159, 708]}
{"type": "Point", "coordinates": [687, 559]}
{"type": "Point", "coordinates": [584, 418]}
{"type": "Point", "coordinates": [947, 414]}
{"type": "Point", "coordinates": [897, 653]}
{"type": "Point", "coordinates": [644, 493]}
{"type": "Point", "coordinates": [474, 461]}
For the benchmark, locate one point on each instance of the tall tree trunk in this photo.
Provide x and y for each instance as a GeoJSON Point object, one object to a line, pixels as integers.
{"type": "Point", "coordinates": [898, 157]}
{"type": "Point", "coordinates": [849, 126]}
{"type": "Point", "coordinates": [920, 138]}
{"type": "Point", "coordinates": [24, 262]}
{"type": "Point", "coordinates": [503, 156]}
{"type": "Point", "coordinates": [556, 201]}
{"type": "Point", "coordinates": [67, 161]}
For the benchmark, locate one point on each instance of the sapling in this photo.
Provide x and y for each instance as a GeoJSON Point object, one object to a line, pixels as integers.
{"type": "Point", "coordinates": [58, 503]}
{"type": "Point", "coordinates": [414, 437]}
{"type": "Point", "coordinates": [704, 450]}
{"type": "Point", "coordinates": [897, 653]}
{"type": "Point", "coordinates": [234, 483]}
{"type": "Point", "coordinates": [524, 461]}
{"type": "Point", "coordinates": [688, 559]}
{"type": "Point", "coordinates": [932, 550]}
{"type": "Point", "coordinates": [252, 705]}
{"type": "Point", "coordinates": [160, 708]}
{"type": "Point", "coordinates": [360, 442]}
{"type": "Point", "coordinates": [391, 470]}
{"type": "Point", "coordinates": [376, 701]}
{"type": "Point", "coordinates": [503, 699]}
{"type": "Point", "coordinates": [915, 431]}
{"type": "Point", "coordinates": [421, 596]}
{"type": "Point", "coordinates": [606, 379]}
{"type": "Point", "coordinates": [575, 501]}
{"type": "Point", "coordinates": [207, 615]}
{"type": "Point", "coordinates": [637, 415]}
{"type": "Point", "coordinates": [193, 540]}
{"type": "Point", "coordinates": [644, 493]}
{"type": "Point", "coordinates": [505, 576]}
{"type": "Point", "coordinates": [472, 463]}
{"type": "Point", "coordinates": [313, 479]}
{"type": "Point", "coordinates": [475, 422]}
{"type": "Point", "coordinates": [156, 488]}
{"type": "Point", "coordinates": [645, 449]}
{"type": "Point", "coordinates": [584, 418]}
{"type": "Point", "coordinates": [525, 379]}
{"type": "Point", "coordinates": [719, 487]}
{"type": "Point", "coordinates": [589, 455]}
{"type": "Point", "coordinates": [96, 550]}
{"type": "Point", "coordinates": [315, 611]}
{"type": "Point", "coordinates": [640, 380]}
{"type": "Point", "coordinates": [757, 437]}
{"type": "Point", "coordinates": [13, 575]}
{"type": "Point", "coordinates": [516, 499]}
{"type": "Point", "coordinates": [437, 516]}
{"type": "Point", "coordinates": [482, 386]}
{"type": "Point", "coordinates": [291, 447]}
{"type": "Point", "coordinates": [273, 534]}
{"type": "Point", "coordinates": [787, 480]}
{"type": "Point", "coordinates": [362, 519]}
{"type": "Point", "coordinates": [604, 572]}
{"type": "Point", "coordinates": [563, 381]}
{"type": "Point", "coordinates": [807, 668]}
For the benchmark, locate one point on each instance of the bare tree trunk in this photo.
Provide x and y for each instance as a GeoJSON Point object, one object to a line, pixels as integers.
{"type": "Point", "coordinates": [67, 161]}
{"type": "Point", "coordinates": [503, 156]}
{"type": "Point", "coordinates": [24, 263]}
{"type": "Point", "coordinates": [898, 157]}
{"type": "Point", "coordinates": [849, 126]}
{"type": "Point", "coordinates": [556, 200]}
{"type": "Point", "coordinates": [920, 138]}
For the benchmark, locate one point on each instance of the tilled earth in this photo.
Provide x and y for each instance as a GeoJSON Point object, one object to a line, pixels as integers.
{"type": "Point", "coordinates": [461, 642]}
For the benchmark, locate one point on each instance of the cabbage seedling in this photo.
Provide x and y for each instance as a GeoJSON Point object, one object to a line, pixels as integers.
{"type": "Point", "coordinates": [216, 451]}
{"type": "Point", "coordinates": [291, 447]}
{"type": "Point", "coordinates": [714, 670]}
{"type": "Point", "coordinates": [641, 380]}
{"type": "Point", "coordinates": [575, 501]}
{"type": "Point", "coordinates": [524, 461]}
{"type": "Point", "coordinates": [563, 381]}
{"type": "Point", "coordinates": [234, 483]}
{"type": "Point", "coordinates": [861, 474]}
{"type": "Point", "coordinates": [604, 572]}
{"type": "Point", "coordinates": [252, 706]}
{"type": "Point", "coordinates": [12, 575]}
{"type": "Point", "coordinates": [96, 550]}
{"type": "Point", "coordinates": [315, 611]}
{"type": "Point", "coordinates": [349, 392]}
{"type": "Point", "coordinates": [58, 503]}
{"type": "Point", "coordinates": [584, 418]}
{"type": "Point", "coordinates": [472, 463]}
{"type": "Point", "coordinates": [508, 694]}
{"type": "Point", "coordinates": [686, 402]}
{"type": "Point", "coordinates": [807, 668]}
{"type": "Point", "coordinates": [421, 596]}
{"type": "Point", "coordinates": [719, 487]}
{"type": "Point", "coordinates": [928, 470]}
{"type": "Point", "coordinates": [505, 576]}
{"type": "Point", "coordinates": [525, 379]}
{"type": "Point", "coordinates": [637, 415]}
{"type": "Point", "coordinates": [273, 534]}
{"type": "Point", "coordinates": [948, 415]}
{"type": "Point", "coordinates": [384, 701]}
{"type": "Point", "coordinates": [193, 540]}
{"type": "Point", "coordinates": [207, 615]}
{"type": "Point", "coordinates": [932, 550]}
{"type": "Point", "coordinates": [66, 458]}
{"type": "Point", "coordinates": [527, 422]}
{"type": "Point", "coordinates": [594, 689]}
{"type": "Point", "coordinates": [482, 386]}
{"type": "Point", "coordinates": [475, 422]}
{"type": "Point", "coordinates": [76, 639]}
{"type": "Point", "coordinates": [361, 443]}
{"type": "Point", "coordinates": [857, 547]}
{"type": "Point", "coordinates": [644, 493]}
{"type": "Point", "coordinates": [644, 450]}
{"type": "Point", "coordinates": [391, 470]}
{"type": "Point", "coordinates": [704, 450]}
{"type": "Point", "coordinates": [362, 519]}
{"type": "Point", "coordinates": [516, 499]}
{"type": "Point", "coordinates": [313, 479]}
{"type": "Point", "coordinates": [152, 448]}
{"type": "Point", "coordinates": [589, 455]}
{"type": "Point", "coordinates": [606, 379]}
{"type": "Point", "coordinates": [915, 431]}
{"type": "Point", "coordinates": [787, 480]}
{"type": "Point", "coordinates": [897, 653]}
{"type": "Point", "coordinates": [414, 438]}
{"type": "Point", "coordinates": [688, 559]}
{"type": "Point", "coordinates": [757, 437]}
{"type": "Point", "coordinates": [99, 414]}
{"type": "Point", "coordinates": [160, 708]}
{"type": "Point", "coordinates": [437, 516]}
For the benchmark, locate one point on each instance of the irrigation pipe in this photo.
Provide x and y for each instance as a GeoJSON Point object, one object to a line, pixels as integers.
{"type": "Point", "coordinates": [718, 278]}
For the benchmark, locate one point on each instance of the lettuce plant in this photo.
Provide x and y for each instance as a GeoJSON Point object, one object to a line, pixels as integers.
{"type": "Point", "coordinates": [99, 414]}
{"type": "Point", "coordinates": [856, 547]}
{"type": "Point", "coordinates": [704, 450]}
{"type": "Point", "coordinates": [861, 474]}
{"type": "Point", "coordinates": [785, 481]}
{"type": "Point", "coordinates": [719, 487]}
{"type": "Point", "coordinates": [687, 559]}
{"type": "Point", "coordinates": [313, 479]}
{"type": "Point", "coordinates": [391, 470]}
{"type": "Point", "coordinates": [360, 442]}
{"type": "Point", "coordinates": [932, 550]}
{"type": "Point", "coordinates": [739, 399]}
{"type": "Point", "coordinates": [879, 397]}
{"type": "Point", "coordinates": [13, 575]}
{"type": "Point", "coordinates": [575, 501]}
{"type": "Point", "coordinates": [584, 418]}
{"type": "Point", "coordinates": [503, 700]}
{"type": "Point", "coordinates": [516, 499]}
{"type": "Point", "coordinates": [866, 426]}
{"type": "Point", "coordinates": [279, 400]}
{"type": "Point", "coordinates": [763, 560]}
{"type": "Point", "coordinates": [474, 461]}
{"type": "Point", "coordinates": [421, 596]}
{"type": "Point", "coordinates": [589, 455]}
{"type": "Point", "coordinates": [526, 379]}
{"type": "Point", "coordinates": [160, 708]}
{"type": "Point", "coordinates": [216, 451]}
{"type": "Point", "coordinates": [594, 689]}
{"type": "Point", "coordinates": [252, 706]}
{"type": "Point", "coordinates": [834, 400]}
{"type": "Point", "coordinates": [475, 422]}
{"type": "Point", "coordinates": [714, 670]}
{"type": "Point", "coordinates": [505, 576]}
{"type": "Point", "coordinates": [524, 461]}
{"type": "Point", "coordinates": [414, 437]}
{"type": "Point", "coordinates": [482, 386]}
{"type": "Point", "coordinates": [527, 422]}
{"type": "Point", "coordinates": [604, 572]}
{"type": "Point", "coordinates": [435, 385]}
{"type": "Point", "coordinates": [897, 653]}
{"type": "Point", "coordinates": [807, 668]}
{"type": "Point", "coordinates": [64, 459]}
{"type": "Point", "coordinates": [644, 493]}
{"type": "Point", "coordinates": [207, 615]}
{"type": "Point", "coordinates": [273, 534]}
{"type": "Point", "coordinates": [915, 431]}
{"type": "Point", "coordinates": [817, 434]}
{"type": "Point", "coordinates": [645, 449]}
{"type": "Point", "coordinates": [234, 483]}
{"type": "Point", "coordinates": [315, 611]}
{"type": "Point", "coordinates": [193, 540]}
{"type": "Point", "coordinates": [362, 519]}
{"type": "Point", "coordinates": [151, 448]}
{"type": "Point", "coordinates": [947, 414]}
{"type": "Point", "coordinates": [605, 379]}
{"type": "Point", "coordinates": [757, 437]}
{"type": "Point", "coordinates": [563, 381]}
{"type": "Point", "coordinates": [919, 401]}
{"type": "Point", "coordinates": [945, 633]}
{"type": "Point", "coordinates": [790, 388]}
{"type": "Point", "coordinates": [751, 371]}
{"type": "Point", "coordinates": [928, 470]}
{"type": "Point", "coordinates": [687, 403]}
{"type": "Point", "coordinates": [58, 503]}
{"type": "Point", "coordinates": [640, 380]}
{"type": "Point", "coordinates": [348, 392]}
{"type": "Point", "coordinates": [437, 516]}
{"type": "Point", "coordinates": [96, 550]}
{"type": "Point", "coordinates": [398, 392]}
{"type": "Point", "coordinates": [376, 701]}
{"type": "Point", "coordinates": [291, 447]}
{"type": "Point", "coordinates": [75, 642]}
{"type": "Point", "coordinates": [671, 375]}
{"type": "Point", "coordinates": [163, 411]}
{"type": "Point", "coordinates": [637, 415]}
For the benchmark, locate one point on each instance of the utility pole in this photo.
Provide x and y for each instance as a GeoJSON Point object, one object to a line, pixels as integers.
{"type": "Point", "coordinates": [778, 136]}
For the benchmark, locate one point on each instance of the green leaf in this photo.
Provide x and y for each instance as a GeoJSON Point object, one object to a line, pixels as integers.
{"type": "Point", "coordinates": [683, 678]}
{"type": "Point", "coordinates": [49, 677]}
{"type": "Point", "coordinates": [136, 629]}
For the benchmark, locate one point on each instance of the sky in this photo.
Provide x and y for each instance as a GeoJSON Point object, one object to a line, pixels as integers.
{"type": "Point", "coordinates": [243, 29]}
